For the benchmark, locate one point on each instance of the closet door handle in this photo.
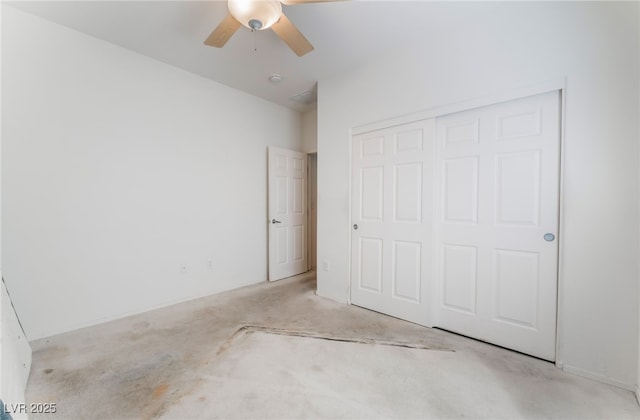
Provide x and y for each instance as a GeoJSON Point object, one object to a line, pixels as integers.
{"type": "Point", "coordinates": [274, 221]}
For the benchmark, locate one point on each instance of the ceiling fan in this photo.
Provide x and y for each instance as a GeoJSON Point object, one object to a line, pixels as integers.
{"type": "Point", "coordinates": [258, 15]}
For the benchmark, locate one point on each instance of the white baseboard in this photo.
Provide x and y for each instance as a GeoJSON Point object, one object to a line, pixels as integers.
{"type": "Point", "coordinates": [638, 393]}
{"type": "Point", "coordinates": [600, 378]}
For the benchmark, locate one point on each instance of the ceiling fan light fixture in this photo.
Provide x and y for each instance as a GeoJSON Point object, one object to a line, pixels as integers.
{"type": "Point", "coordinates": [256, 14]}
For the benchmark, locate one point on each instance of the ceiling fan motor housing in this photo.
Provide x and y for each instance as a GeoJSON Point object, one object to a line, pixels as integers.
{"type": "Point", "coordinates": [256, 14]}
{"type": "Point", "coordinates": [255, 24]}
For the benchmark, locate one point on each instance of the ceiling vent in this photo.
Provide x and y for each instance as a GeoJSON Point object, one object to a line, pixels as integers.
{"type": "Point", "coordinates": [307, 97]}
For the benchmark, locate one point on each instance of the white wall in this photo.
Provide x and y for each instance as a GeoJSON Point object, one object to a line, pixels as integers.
{"type": "Point", "coordinates": [15, 351]}
{"type": "Point", "coordinates": [310, 145]}
{"type": "Point", "coordinates": [116, 169]}
{"type": "Point", "coordinates": [471, 50]}
{"type": "Point", "coordinates": [310, 130]}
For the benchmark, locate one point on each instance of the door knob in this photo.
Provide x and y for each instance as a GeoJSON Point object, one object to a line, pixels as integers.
{"type": "Point", "coordinates": [549, 237]}
{"type": "Point", "coordinates": [355, 227]}
{"type": "Point", "coordinates": [274, 221]}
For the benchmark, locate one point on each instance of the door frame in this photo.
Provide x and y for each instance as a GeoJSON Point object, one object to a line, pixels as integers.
{"type": "Point", "coordinates": [560, 85]}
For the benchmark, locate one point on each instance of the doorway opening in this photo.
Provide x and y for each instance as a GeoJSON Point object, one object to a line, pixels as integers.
{"type": "Point", "coordinates": [313, 209]}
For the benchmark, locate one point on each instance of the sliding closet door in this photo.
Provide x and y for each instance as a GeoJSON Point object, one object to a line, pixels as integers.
{"type": "Point", "coordinates": [392, 220]}
{"type": "Point", "coordinates": [498, 172]}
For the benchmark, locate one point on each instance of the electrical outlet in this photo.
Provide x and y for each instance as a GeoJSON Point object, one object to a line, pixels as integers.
{"type": "Point", "coordinates": [183, 268]}
{"type": "Point", "coordinates": [325, 265]}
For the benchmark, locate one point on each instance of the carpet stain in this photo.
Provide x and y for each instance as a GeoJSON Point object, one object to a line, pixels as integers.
{"type": "Point", "coordinates": [160, 390]}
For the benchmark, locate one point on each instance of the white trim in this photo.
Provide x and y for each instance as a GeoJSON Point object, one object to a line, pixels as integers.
{"type": "Point", "coordinates": [598, 377]}
{"type": "Point", "coordinates": [350, 210]}
{"type": "Point", "coordinates": [638, 394]}
{"type": "Point", "coordinates": [561, 231]}
{"type": "Point", "coordinates": [440, 110]}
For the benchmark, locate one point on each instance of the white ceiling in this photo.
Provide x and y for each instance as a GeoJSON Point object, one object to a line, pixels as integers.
{"type": "Point", "coordinates": [344, 34]}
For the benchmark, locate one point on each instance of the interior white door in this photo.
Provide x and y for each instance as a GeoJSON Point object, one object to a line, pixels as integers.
{"type": "Point", "coordinates": [287, 213]}
{"type": "Point", "coordinates": [392, 220]}
{"type": "Point", "coordinates": [498, 170]}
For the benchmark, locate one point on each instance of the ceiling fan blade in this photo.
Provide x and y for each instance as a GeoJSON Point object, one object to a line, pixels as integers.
{"type": "Point", "coordinates": [288, 32]}
{"type": "Point", "coordinates": [292, 2]}
{"type": "Point", "coordinates": [223, 32]}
